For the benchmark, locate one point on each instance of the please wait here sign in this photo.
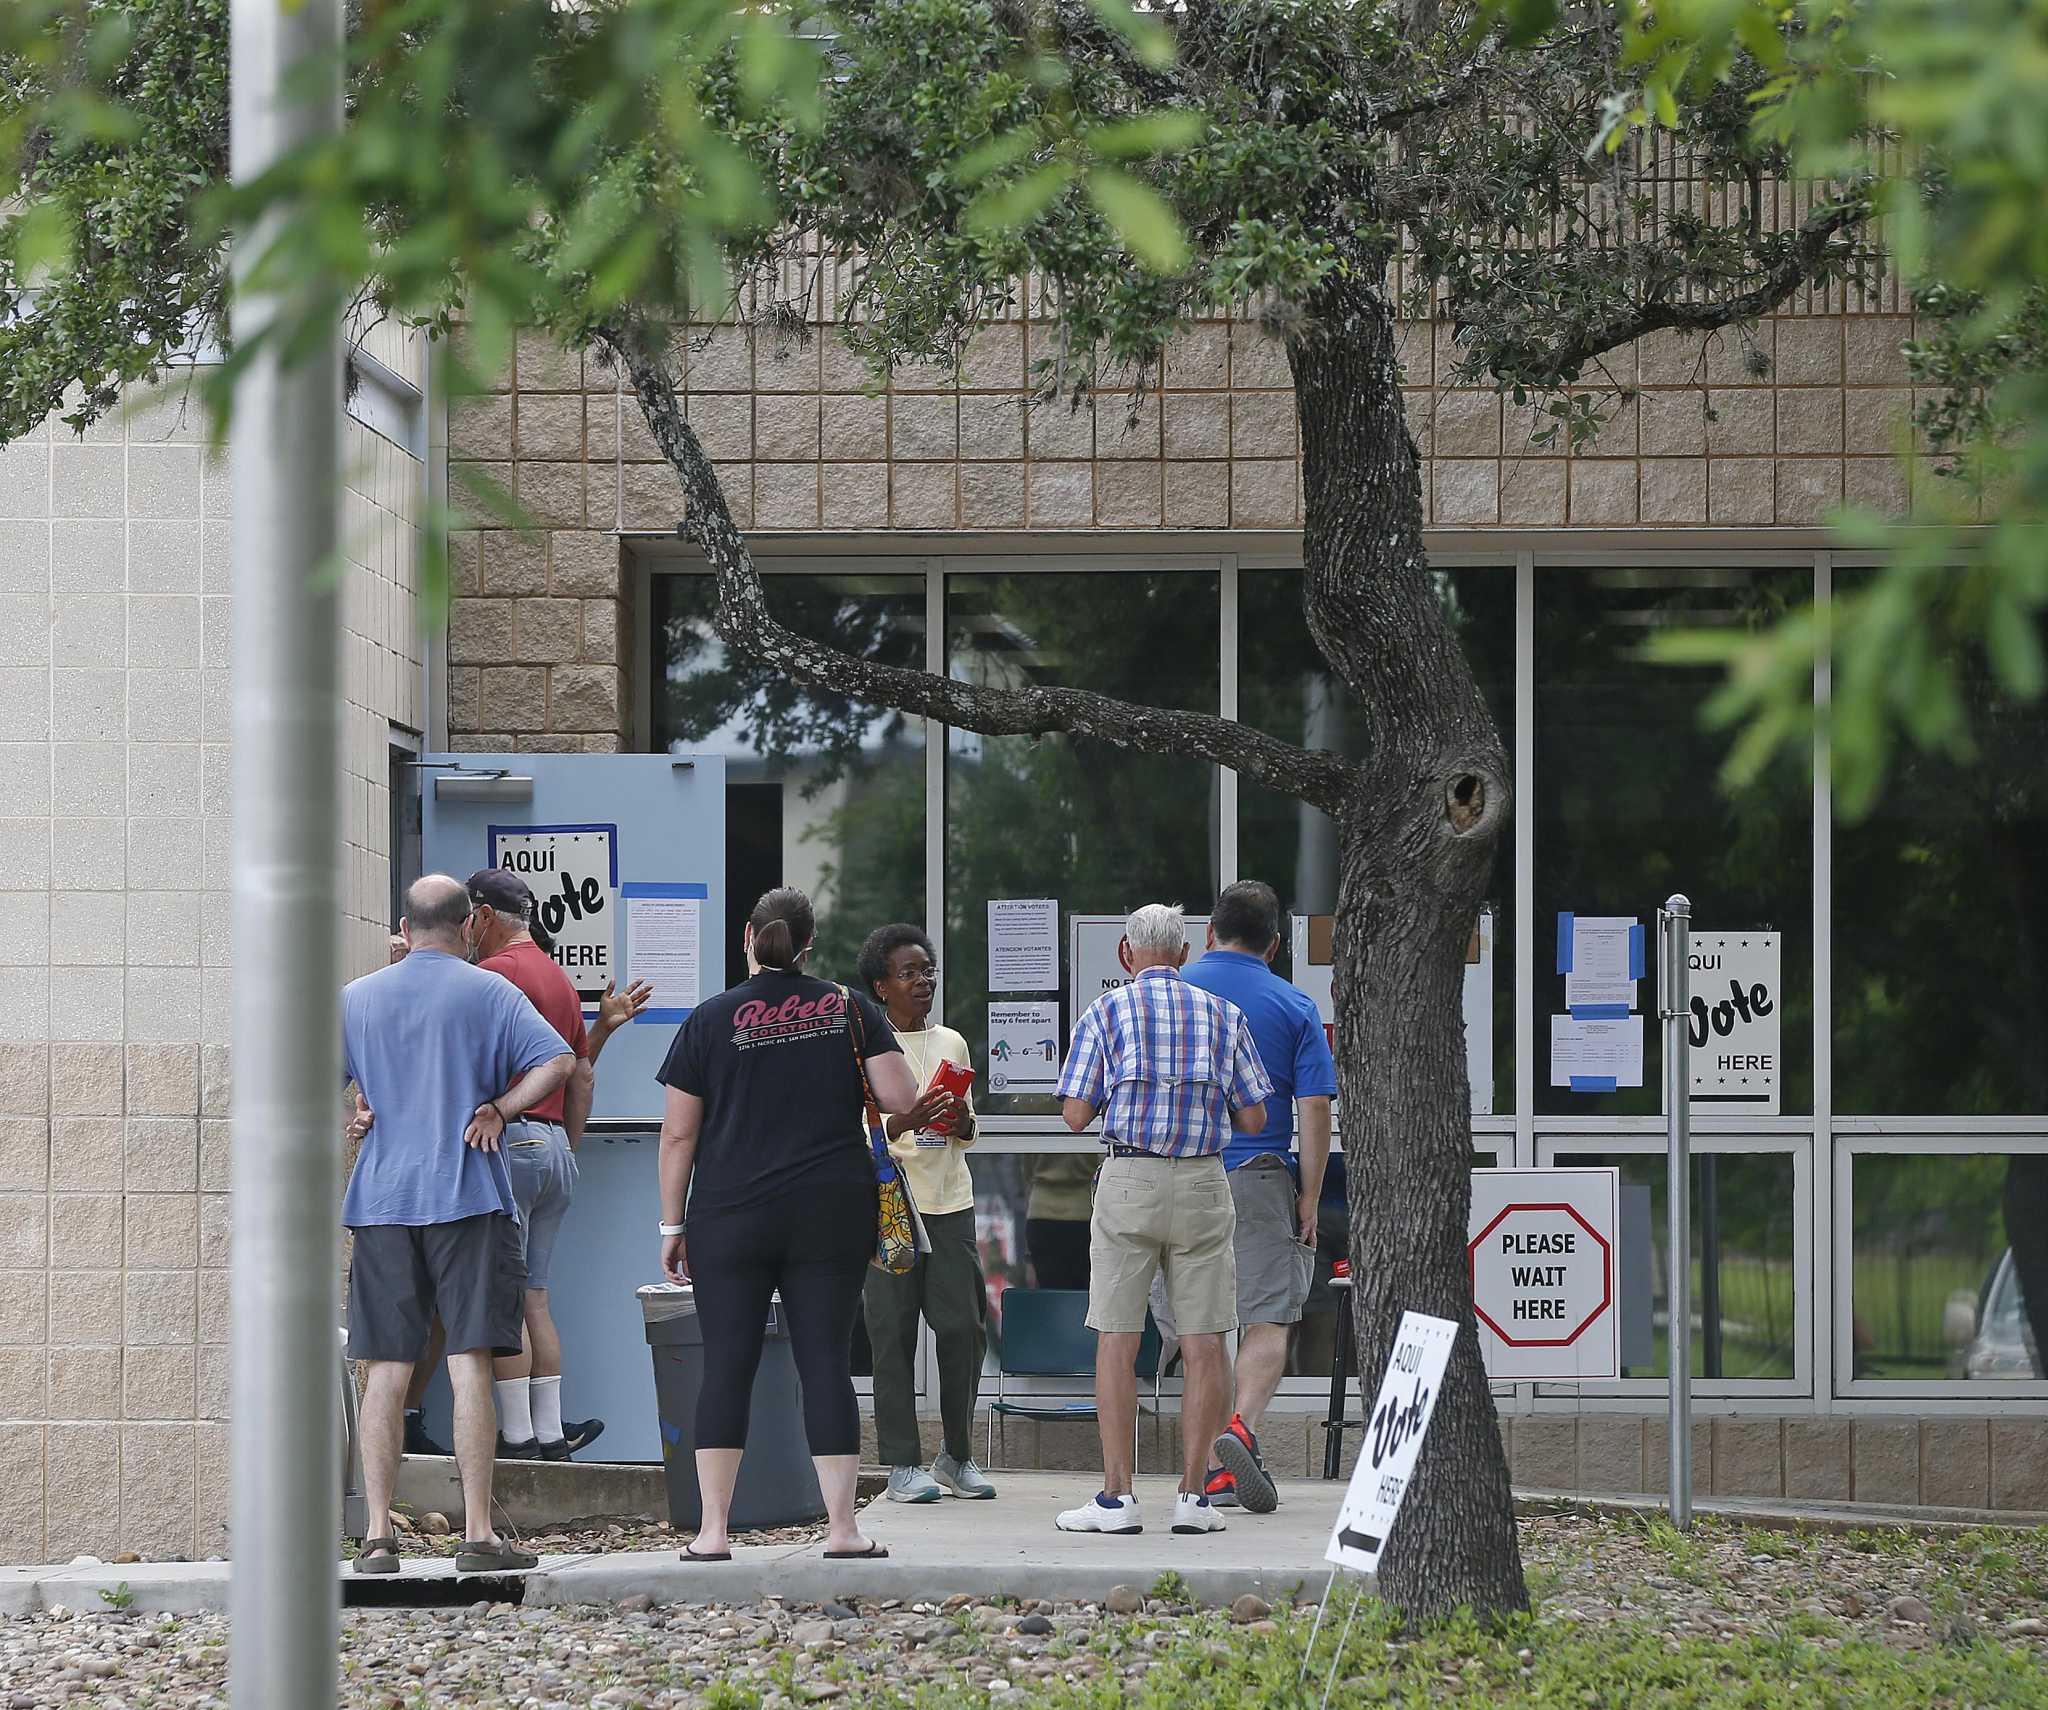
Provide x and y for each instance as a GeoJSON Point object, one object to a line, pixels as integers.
{"type": "Point", "coordinates": [1542, 1246]}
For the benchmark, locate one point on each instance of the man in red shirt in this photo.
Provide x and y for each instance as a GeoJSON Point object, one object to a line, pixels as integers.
{"type": "Point", "coordinates": [540, 1151]}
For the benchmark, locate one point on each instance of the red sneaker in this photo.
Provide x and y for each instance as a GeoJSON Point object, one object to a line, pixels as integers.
{"type": "Point", "coordinates": [1220, 1488]}
{"type": "Point", "coordinates": [1238, 1450]}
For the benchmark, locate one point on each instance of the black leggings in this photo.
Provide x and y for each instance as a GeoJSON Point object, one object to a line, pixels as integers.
{"type": "Point", "coordinates": [812, 1242]}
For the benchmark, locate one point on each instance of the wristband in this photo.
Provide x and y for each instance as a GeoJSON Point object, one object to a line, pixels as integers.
{"type": "Point", "coordinates": [671, 1228]}
{"type": "Point", "coordinates": [493, 1103]}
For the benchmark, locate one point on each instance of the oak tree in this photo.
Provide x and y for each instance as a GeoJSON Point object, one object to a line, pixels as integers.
{"type": "Point", "coordinates": [1329, 168]}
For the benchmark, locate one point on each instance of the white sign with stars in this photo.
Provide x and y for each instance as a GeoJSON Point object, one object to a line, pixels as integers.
{"type": "Point", "coordinates": [1734, 1001]}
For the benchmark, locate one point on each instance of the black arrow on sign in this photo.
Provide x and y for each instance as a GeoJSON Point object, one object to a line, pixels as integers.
{"type": "Point", "coordinates": [1358, 1541]}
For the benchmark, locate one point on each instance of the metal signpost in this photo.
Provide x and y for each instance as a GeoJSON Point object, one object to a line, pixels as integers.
{"type": "Point", "coordinates": [284, 1431]}
{"type": "Point", "coordinates": [1674, 930]}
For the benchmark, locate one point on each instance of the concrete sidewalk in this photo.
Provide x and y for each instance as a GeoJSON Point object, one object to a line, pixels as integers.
{"type": "Point", "coordinates": [1005, 1548]}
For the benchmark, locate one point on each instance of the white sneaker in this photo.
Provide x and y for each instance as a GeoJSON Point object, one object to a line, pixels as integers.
{"type": "Point", "coordinates": [1194, 1513]}
{"type": "Point", "coordinates": [1103, 1513]}
{"type": "Point", "coordinates": [913, 1484]}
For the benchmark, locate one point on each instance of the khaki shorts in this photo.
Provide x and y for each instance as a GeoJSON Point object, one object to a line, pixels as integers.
{"type": "Point", "coordinates": [1170, 1214]}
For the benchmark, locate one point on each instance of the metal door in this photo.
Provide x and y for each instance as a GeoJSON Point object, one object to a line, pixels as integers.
{"type": "Point", "coordinates": [619, 847]}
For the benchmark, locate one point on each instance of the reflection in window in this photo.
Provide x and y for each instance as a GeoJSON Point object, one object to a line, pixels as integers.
{"type": "Point", "coordinates": [1629, 807]}
{"type": "Point", "coordinates": [1287, 690]}
{"type": "Point", "coordinates": [1941, 925]}
{"type": "Point", "coordinates": [1101, 828]}
{"type": "Point", "coordinates": [1951, 1266]}
{"type": "Point", "coordinates": [820, 793]}
{"type": "Point", "coordinates": [1742, 1252]}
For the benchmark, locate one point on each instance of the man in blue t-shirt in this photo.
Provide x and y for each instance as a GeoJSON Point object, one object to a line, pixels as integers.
{"type": "Point", "coordinates": [1276, 1207]}
{"type": "Point", "coordinates": [443, 1055]}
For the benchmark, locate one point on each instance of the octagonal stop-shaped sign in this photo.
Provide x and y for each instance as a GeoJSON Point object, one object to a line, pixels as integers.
{"type": "Point", "coordinates": [1542, 1249]}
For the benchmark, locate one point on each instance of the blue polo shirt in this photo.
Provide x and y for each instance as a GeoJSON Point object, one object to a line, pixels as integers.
{"type": "Point", "coordinates": [1287, 1029]}
{"type": "Point", "coordinates": [429, 1039]}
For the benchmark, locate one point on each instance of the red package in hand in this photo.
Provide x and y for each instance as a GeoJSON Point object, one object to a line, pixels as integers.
{"type": "Point", "coordinates": [955, 1078]}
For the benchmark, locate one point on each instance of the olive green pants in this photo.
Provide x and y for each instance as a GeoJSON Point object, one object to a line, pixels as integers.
{"type": "Point", "coordinates": [946, 1287]}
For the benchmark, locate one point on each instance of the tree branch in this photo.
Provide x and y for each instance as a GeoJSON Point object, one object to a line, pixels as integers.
{"type": "Point", "coordinates": [1815, 239]}
{"type": "Point", "coordinates": [1323, 779]}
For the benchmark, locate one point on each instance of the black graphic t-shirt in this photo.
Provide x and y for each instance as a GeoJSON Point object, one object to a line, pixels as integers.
{"type": "Point", "coordinates": [773, 1063]}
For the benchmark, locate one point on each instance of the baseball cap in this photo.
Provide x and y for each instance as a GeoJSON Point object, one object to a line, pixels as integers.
{"type": "Point", "coordinates": [493, 887]}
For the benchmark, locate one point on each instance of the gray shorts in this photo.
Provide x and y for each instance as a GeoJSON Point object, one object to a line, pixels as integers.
{"type": "Point", "coordinates": [1273, 1269]}
{"type": "Point", "coordinates": [543, 1173]}
{"type": "Point", "coordinates": [467, 1273]}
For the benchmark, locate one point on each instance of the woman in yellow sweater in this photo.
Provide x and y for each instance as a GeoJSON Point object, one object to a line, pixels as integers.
{"type": "Point", "coordinates": [945, 1286]}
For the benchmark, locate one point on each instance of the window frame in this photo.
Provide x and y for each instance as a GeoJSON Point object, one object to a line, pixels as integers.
{"type": "Point", "coordinates": [1823, 1145]}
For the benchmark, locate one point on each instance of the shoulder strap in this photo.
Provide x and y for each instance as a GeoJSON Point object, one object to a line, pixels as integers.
{"type": "Point", "coordinates": [857, 1037]}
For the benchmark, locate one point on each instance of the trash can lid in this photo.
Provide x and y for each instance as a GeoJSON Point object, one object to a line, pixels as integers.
{"type": "Point", "coordinates": [660, 1302]}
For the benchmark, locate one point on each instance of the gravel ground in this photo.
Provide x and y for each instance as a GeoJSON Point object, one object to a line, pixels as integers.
{"type": "Point", "coordinates": [1588, 1574]}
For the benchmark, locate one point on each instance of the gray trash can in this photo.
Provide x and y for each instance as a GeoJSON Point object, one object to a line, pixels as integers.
{"type": "Point", "coordinates": [777, 1486]}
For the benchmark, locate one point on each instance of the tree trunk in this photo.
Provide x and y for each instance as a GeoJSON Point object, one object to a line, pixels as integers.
{"type": "Point", "coordinates": [1417, 849]}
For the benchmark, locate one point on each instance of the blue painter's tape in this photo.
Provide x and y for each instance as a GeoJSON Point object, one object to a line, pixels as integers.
{"type": "Point", "coordinates": [1635, 950]}
{"type": "Point", "coordinates": [674, 1017]}
{"type": "Point", "coordinates": [1564, 943]}
{"type": "Point", "coordinates": [647, 888]}
{"type": "Point", "coordinates": [1592, 1083]}
{"type": "Point", "coordinates": [1600, 1012]}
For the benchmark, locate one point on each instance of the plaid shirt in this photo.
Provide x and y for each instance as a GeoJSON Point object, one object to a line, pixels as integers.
{"type": "Point", "coordinates": [1166, 1063]}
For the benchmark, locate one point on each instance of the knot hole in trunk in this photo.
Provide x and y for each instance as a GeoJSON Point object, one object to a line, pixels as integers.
{"type": "Point", "coordinates": [1465, 802]}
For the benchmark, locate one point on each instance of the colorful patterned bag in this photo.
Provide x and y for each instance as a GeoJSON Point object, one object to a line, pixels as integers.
{"type": "Point", "coordinates": [899, 1230]}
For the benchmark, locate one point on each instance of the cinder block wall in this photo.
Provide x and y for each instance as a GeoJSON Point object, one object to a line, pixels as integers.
{"type": "Point", "coordinates": [539, 635]}
{"type": "Point", "coordinates": [114, 951]}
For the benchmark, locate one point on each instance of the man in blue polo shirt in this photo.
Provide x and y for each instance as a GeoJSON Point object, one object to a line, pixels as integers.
{"type": "Point", "coordinates": [1276, 1206]}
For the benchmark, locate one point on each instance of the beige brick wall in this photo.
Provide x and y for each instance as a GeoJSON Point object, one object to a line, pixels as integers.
{"type": "Point", "coordinates": [114, 947]}
{"type": "Point", "coordinates": [538, 634]}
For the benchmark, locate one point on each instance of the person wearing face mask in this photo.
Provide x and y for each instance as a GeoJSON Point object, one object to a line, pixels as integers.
{"type": "Point", "coordinates": [764, 1153]}
{"type": "Point", "coordinates": [945, 1287]}
{"type": "Point", "coordinates": [448, 1057]}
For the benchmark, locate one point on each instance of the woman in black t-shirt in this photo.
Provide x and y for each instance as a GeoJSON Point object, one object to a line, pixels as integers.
{"type": "Point", "coordinates": [764, 1140]}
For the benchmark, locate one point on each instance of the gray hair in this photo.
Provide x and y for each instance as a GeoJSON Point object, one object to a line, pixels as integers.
{"type": "Point", "coordinates": [512, 920]}
{"type": "Point", "coordinates": [1160, 928]}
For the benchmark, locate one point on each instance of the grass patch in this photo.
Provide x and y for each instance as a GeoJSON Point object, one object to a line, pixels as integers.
{"type": "Point", "coordinates": [1541, 1664]}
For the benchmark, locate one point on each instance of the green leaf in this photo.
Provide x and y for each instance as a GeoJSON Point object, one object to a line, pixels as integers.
{"type": "Point", "coordinates": [1141, 218]}
{"type": "Point", "coordinates": [995, 154]}
{"type": "Point", "coordinates": [2013, 643]}
{"type": "Point", "coordinates": [41, 240]}
{"type": "Point", "coordinates": [1165, 132]}
{"type": "Point", "coordinates": [1013, 206]}
{"type": "Point", "coordinates": [1147, 36]}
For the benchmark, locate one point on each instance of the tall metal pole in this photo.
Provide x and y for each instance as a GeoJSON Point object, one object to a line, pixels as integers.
{"type": "Point", "coordinates": [1675, 923]}
{"type": "Point", "coordinates": [284, 1433]}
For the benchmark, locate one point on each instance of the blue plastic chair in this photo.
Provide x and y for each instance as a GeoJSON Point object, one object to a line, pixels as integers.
{"type": "Point", "coordinates": [1044, 1333]}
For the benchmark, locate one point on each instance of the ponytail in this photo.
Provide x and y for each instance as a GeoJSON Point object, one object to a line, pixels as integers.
{"type": "Point", "coordinates": [783, 924]}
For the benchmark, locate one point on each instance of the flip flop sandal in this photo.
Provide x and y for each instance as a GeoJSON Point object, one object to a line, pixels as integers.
{"type": "Point", "coordinates": [690, 1555]}
{"type": "Point", "coordinates": [873, 1553]}
{"type": "Point", "coordinates": [497, 1556]}
{"type": "Point", "coordinates": [378, 1555]}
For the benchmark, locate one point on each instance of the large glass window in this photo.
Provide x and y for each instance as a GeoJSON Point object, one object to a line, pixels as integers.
{"type": "Point", "coordinates": [1101, 828]}
{"type": "Point", "coordinates": [1286, 689]}
{"type": "Point", "coordinates": [1949, 1266]}
{"type": "Point", "coordinates": [1941, 925]}
{"type": "Point", "coordinates": [1630, 808]}
{"type": "Point", "coordinates": [820, 793]}
{"type": "Point", "coordinates": [1744, 1281]}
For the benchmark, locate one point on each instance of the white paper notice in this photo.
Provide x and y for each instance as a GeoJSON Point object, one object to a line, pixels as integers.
{"type": "Point", "coordinates": [1024, 944]}
{"type": "Point", "coordinates": [1596, 1056]}
{"type": "Point", "coordinates": [1393, 1439]}
{"type": "Point", "coordinates": [1023, 1047]}
{"type": "Point", "coordinates": [663, 939]}
{"type": "Point", "coordinates": [1603, 961]}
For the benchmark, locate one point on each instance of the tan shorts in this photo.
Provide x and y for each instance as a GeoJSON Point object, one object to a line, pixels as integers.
{"type": "Point", "coordinates": [1170, 1214]}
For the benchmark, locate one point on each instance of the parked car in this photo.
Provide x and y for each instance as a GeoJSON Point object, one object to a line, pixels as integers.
{"type": "Point", "coordinates": [2000, 1342]}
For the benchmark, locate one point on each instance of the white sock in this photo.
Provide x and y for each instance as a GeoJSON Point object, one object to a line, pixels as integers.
{"type": "Point", "coordinates": [515, 1415]}
{"type": "Point", "coordinates": [547, 1408]}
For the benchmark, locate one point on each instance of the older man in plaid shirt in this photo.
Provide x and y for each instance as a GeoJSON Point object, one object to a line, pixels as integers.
{"type": "Point", "coordinates": [1173, 1070]}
